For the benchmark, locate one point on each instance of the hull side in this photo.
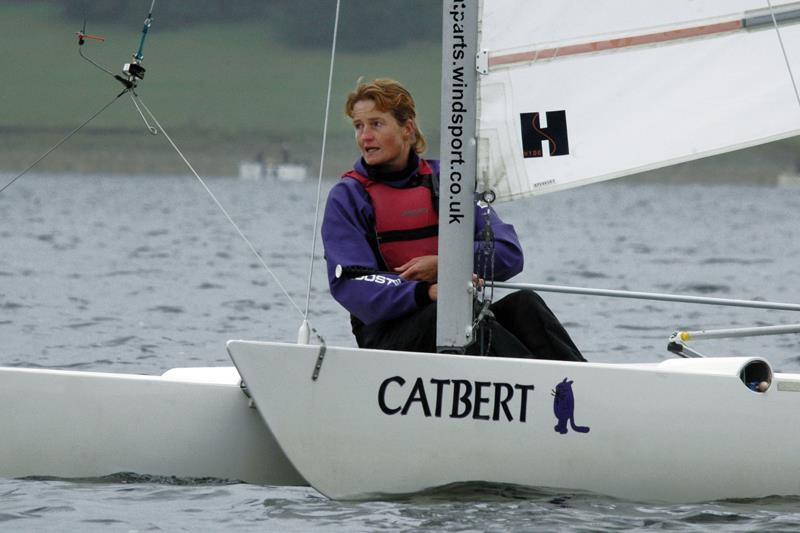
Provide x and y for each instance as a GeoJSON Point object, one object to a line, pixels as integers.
{"type": "Point", "coordinates": [381, 422]}
{"type": "Point", "coordinates": [84, 424]}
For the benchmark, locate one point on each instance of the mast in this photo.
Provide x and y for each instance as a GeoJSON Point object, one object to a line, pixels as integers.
{"type": "Point", "coordinates": [457, 176]}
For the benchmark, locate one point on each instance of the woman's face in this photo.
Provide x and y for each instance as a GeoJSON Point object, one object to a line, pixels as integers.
{"type": "Point", "coordinates": [382, 140]}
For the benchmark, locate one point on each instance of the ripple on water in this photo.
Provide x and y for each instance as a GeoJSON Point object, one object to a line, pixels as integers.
{"type": "Point", "coordinates": [736, 261]}
{"type": "Point", "coordinates": [246, 305]}
{"type": "Point", "coordinates": [590, 274]}
{"type": "Point", "coordinates": [80, 325]}
{"type": "Point", "coordinates": [169, 309]}
{"type": "Point", "coordinates": [207, 285]}
{"type": "Point", "coordinates": [119, 341]}
{"type": "Point", "coordinates": [705, 288]}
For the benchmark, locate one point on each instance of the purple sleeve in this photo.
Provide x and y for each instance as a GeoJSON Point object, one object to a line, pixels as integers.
{"type": "Point", "coordinates": [346, 227]}
{"type": "Point", "coordinates": [508, 256]}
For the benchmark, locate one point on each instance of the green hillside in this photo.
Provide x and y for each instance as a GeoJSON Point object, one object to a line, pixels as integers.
{"type": "Point", "coordinates": [223, 91]}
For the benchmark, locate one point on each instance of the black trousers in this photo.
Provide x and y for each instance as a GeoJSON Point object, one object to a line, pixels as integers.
{"type": "Point", "coordinates": [522, 326]}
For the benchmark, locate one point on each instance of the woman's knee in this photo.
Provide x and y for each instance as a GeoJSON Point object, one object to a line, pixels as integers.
{"type": "Point", "coordinates": [524, 298]}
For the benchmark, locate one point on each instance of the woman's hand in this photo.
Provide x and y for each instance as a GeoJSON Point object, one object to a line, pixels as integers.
{"type": "Point", "coordinates": [423, 268]}
{"type": "Point", "coordinates": [433, 292]}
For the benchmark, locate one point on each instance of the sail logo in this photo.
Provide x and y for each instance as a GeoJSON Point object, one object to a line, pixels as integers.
{"type": "Point", "coordinates": [546, 133]}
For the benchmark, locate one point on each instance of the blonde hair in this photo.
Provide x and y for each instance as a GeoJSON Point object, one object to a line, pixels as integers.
{"type": "Point", "coordinates": [390, 97]}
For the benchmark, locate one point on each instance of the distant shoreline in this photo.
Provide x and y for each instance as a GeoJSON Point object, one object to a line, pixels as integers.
{"type": "Point", "coordinates": [121, 151]}
{"type": "Point", "coordinates": [215, 153]}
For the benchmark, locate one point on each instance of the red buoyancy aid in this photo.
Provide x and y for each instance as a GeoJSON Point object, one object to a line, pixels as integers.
{"type": "Point", "coordinates": [406, 221]}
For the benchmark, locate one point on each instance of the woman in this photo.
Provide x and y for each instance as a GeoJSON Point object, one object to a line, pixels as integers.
{"type": "Point", "coordinates": [383, 215]}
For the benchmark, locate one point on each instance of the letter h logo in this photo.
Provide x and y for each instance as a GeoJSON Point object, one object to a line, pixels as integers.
{"type": "Point", "coordinates": [554, 132]}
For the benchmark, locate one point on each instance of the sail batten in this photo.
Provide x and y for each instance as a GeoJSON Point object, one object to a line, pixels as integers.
{"type": "Point", "coordinates": [751, 20]}
{"type": "Point", "coordinates": [671, 94]}
{"type": "Point", "coordinates": [613, 44]}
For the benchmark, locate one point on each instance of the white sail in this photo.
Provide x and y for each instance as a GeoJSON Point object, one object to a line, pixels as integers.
{"type": "Point", "coordinates": [586, 91]}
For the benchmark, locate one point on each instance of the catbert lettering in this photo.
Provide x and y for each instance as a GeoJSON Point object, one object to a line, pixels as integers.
{"type": "Point", "coordinates": [455, 398]}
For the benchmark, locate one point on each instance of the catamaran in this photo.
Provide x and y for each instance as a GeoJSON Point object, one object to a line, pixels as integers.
{"type": "Point", "coordinates": [538, 96]}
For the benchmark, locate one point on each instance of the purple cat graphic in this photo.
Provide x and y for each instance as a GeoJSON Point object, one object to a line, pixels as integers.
{"type": "Point", "coordinates": [564, 408]}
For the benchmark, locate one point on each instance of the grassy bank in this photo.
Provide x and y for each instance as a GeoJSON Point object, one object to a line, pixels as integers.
{"type": "Point", "coordinates": [225, 92]}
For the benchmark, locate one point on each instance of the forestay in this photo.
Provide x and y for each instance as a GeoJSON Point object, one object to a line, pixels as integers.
{"type": "Point", "coordinates": [589, 90]}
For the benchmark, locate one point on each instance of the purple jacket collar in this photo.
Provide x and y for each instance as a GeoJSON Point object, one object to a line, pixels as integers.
{"type": "Point", "coordinates": [399, 179]}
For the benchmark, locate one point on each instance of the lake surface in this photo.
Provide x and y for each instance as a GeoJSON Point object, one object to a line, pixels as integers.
{"type": "Point", "coordinates": [142, 274]}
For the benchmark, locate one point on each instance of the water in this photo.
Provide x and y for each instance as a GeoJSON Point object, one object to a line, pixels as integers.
{"type": "Point", "coordinates": [144, 274]}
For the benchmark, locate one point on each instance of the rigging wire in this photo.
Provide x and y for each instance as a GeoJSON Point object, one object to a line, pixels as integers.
{"type": "Point", "coordinates": [62, 141]}
{"type": "Point", "coordinates": [135, 71]}
{"type": "Point", "coordinates": [82, 36]}
{"type": "Point", "coordinates": [303, 333]}
{"type": "Point", "coordinates": [783, 49]}
{"type": "Point", "coordinates": [129, 84]}
{"type": "Point", "coordinates": [224, 211]}
{"type": "Point", "coordinates": [322, 160]}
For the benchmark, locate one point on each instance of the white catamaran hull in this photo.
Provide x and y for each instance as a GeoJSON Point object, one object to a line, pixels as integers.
{"type": "Point", "coordinates": [379, 422]}
{"type": "Point", "coordinates": [187, 423]}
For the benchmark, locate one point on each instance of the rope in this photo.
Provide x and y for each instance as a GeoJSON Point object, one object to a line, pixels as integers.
{"type": "Point", "coordinates": [219, 205]}
{"type": "Point", "coordinates": [150, 128]}
{"type": "Point", "coordinates": [62, 141]}
{"type": "Point", "coordinates": [783, 49]}
{"type": "Point", "coordinates": [322, 160]}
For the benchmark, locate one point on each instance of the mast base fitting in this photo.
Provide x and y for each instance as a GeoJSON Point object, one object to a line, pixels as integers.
{"type": "Point", "coordinates": [134, 69]}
